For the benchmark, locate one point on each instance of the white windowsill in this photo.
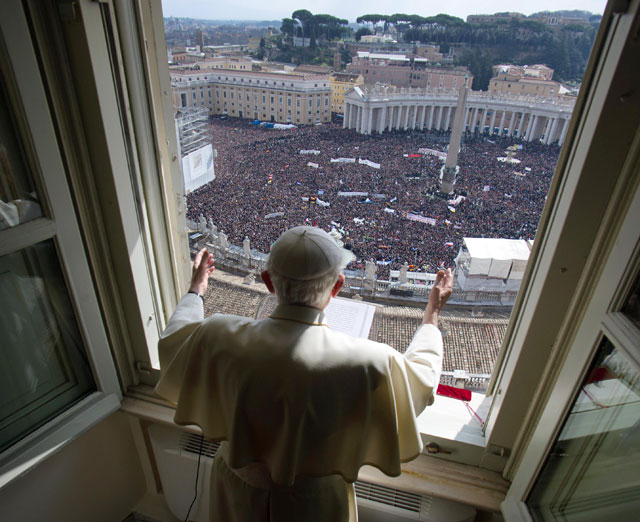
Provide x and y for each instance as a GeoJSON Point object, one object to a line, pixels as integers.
{"type": "Point", "coordinates": [426, 475]}
{"type": "Point", "coordinates": [55, 435]}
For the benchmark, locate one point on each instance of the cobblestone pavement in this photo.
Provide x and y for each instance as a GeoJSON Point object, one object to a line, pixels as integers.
{"type": "Point", "coordinates": [471, 339]}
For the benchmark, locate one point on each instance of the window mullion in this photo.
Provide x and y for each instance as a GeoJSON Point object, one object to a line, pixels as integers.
{"type": "Point", "coordinates": [26, 234]}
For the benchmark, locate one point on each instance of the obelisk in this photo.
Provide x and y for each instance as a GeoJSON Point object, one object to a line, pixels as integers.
{"type": "Point", "coordinates": [450, 169]}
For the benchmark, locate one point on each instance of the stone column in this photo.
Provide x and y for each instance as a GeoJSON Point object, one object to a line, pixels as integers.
{"type": "Point", "coordinates": [563, 133]}
{"type": "Point", "coordinates": [441, 118]}
{"type": "Point", "coordinates": [532, 123]}
{"type": "Point", "coordinates": [345, 119]}
{"type": "Point", "coordinates": [423, 117]}
{"type": "Point", "coordinates": [357, 118]}
{"type": "Point", "coordinates": [493, 121]}
{"type": "Point", "coordinates": [431, 109]}
{"type": "Point", "coordinates": [523, 115]}
{"type": "Point", "coordinates": [553, 131]}
{"type": "Point", "coordinates": [414, 117]}
{"type": "Point", "coordinates": [512, 123]}
{"type": "Point", "coordinates": [369, 119]}
{"type": "Point", "coordinates": [501, 132]}
{"type": "Point", "coordinates": [405, 124]}
{"type": "Point", "coordinates": [382, 116]}
{"type": "Point", "coordinates": [474, 119]}
{"type": "Point", "coordinates": [448, 118]}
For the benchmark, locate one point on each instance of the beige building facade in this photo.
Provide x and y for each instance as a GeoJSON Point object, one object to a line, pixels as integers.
{"type": "Point", "coordinates": [402, 71]}
{"type": "Point", "coordinates": [340, 84]}
{"type": "Point", "coordinates": [277, 97]}
{"type": "Point", "coordinates": [524, 80]}
{"type": "Point", "coordinates": [380, 108]}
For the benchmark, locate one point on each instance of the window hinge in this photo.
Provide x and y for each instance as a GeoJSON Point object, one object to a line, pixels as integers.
{"type": "Point", "coordinates": [143, 367]}
{"type": "Point", "coordinates": [498, 451]}
{"type": "Point", "coordinates": [434, 448]}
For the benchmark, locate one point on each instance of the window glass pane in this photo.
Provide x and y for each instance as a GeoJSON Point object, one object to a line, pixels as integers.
{"type": "Point", "coordinates": [18, 198]}
{"type": "Point", "coordinates": [43, 364]}
{"type": "Point", "coordinates": [592, 470]}
{"type": "Point", "coordinates": [632, 306]}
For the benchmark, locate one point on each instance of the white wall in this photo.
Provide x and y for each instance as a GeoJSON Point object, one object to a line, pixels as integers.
{"type": "Point", "coordinates": [95, 478]}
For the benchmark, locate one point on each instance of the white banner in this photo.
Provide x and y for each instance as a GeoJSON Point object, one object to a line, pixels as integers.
{"type": "Point", "coordinates": [368, 163]}
{"type": "Point", "coordinates": [456, 201]}
{"type": "Point", "coordinates": [433, 152]}
{"type": "Point", "coordinates": [352, 194]}
{"type": "Point", "coordinates": [310, 151]}
{"type": "Point", "coordinates": [322, 203]}
{"type": "Point", "coordinates": [311, 164]}
{"type": "Point", "coordinates": [274, 214]}
{"type": "Point", "coordinates": [343, 160]}
{"type": "Point", "coordinates": [421, 219]}
{"type": "Point", "coordinates": [197, 168]}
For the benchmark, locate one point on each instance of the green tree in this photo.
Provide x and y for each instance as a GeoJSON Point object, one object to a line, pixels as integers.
{"type": "Point", "coordinates": [362, 32]}
{"type": "Point", "coordinates": [288, 28]}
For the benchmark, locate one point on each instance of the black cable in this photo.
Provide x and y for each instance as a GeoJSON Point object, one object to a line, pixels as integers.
{"type": "Point", "coordinates": [186, 518]}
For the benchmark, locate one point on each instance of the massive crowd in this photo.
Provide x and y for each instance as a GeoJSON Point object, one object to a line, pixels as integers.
{"type": "Point", "coordinates": [260, 172]}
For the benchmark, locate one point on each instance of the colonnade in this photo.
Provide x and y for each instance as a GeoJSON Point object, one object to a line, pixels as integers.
{"type": "Point", "coordinates": [527, 118]}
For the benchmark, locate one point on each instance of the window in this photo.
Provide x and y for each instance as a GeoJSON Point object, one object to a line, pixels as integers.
{"type": "Point", "coordinates": [55, 353]}
{"type": "Point", "coordinates": [501, 433]}
{"type": "Point", "coordinates": [596, 330]}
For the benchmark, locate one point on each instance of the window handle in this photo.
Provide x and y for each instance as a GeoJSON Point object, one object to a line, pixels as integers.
{"type": "Point", "coordinates": [434, 448]}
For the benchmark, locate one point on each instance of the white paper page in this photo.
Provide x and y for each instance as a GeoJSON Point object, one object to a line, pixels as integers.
{"type": "Point", "coordinates": [350, 317]}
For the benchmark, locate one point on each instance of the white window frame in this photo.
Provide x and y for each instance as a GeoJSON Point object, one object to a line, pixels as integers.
{"type": "Point", "coordinates": [613, 268]}
{"type": "Point", "coordinates": [60, 224]}
{"type": "Point", "coordinates": [143, 23]}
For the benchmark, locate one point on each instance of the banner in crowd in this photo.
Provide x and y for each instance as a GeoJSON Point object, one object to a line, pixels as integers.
{"type": "Point", "coordinates": [368, 163]}
{"type": "Point", "coordinates": [456, 201]}
{"type": "Point", "coordinates": [311, 164]}
{"type": "Point", "coordinates": [310, 151]}
{"type": "Point", "coordinates": [434, 152]}
{"type": "Point", "coordinates": [390, 210]}
{"type": "Point", "coordinates": [197, 168]}
{"type": "Point", "coordinates": [421, 219]}
{"type": "Point", "coordinates": [486, 188]}
{"type": "Point", "coordinates": [322, 203]}
{"type": "Point", "coordinates": [273, 215]}
{"type": "Point", "coordinates": [352, 194]}
{"type": "Point", "coordinates": [343, 160]}
{"type": "Point", "coordinates": [358, 221]}
{"type": "Point", "coordinates": [412, 155]}
{"type": "Point", "coordinates": [509, 159]}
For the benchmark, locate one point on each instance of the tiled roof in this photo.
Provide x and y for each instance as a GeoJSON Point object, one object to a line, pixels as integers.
{"type": "Point", "coordinates": [471, 343]}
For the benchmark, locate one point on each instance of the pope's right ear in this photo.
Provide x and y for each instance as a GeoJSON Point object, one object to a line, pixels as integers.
{"type": "Point", "coordinates": [267, 281]}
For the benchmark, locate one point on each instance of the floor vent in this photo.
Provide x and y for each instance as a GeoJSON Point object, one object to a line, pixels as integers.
{"type": "Point", "coordinates": [191, 442]}
{"type": "Point", "coordinates": [391, 497]}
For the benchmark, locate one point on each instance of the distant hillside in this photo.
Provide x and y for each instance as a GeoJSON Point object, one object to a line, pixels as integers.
{"type": "Point", "coordinates": [526, 41]}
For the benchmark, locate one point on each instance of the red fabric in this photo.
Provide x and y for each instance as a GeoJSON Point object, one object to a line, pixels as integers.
{"type": "Point", "coordinates": [601, 373]}
{"type": "Point", "coordinates": [453, 392]}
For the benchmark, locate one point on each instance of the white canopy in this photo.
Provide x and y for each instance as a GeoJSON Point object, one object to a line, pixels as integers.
{"type": "Point", "coordinates": [499, 258]}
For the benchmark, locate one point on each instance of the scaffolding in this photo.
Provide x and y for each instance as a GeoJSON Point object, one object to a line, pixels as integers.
{"type": "Point", "coordinates": [192, 126]}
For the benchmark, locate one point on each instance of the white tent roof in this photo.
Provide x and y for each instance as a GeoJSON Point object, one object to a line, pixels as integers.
{"type": "Point", "coordinates": [500, 258]}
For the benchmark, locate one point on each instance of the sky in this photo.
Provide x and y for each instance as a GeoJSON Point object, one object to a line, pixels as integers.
{"type": "Point", "coordinates": [278, 9]}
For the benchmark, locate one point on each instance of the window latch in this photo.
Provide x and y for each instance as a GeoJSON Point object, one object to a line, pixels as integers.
{"type": "Point", "coordinates": [433, 448]}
